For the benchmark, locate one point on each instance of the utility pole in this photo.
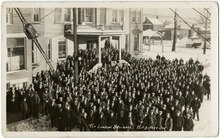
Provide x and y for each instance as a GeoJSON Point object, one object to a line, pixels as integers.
{"type": "Point", "coordinates": [76, 47]}
{"type": "Point", "coordinates": [174, 33]}
{"type": "Point", "coordinates": [206, 22]}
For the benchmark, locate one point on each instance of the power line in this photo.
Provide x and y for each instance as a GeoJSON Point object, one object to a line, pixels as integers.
{"type": "Point", "coordinates": [201, 14]}
{"type": "Point", "coordinates": [190, 26]}
{"type": "Point", "coordinates": [29, 30]}
{"type": "Point", "coordinates": [207, 11]}
{"type": "Point", "coordinates": [46, 15]}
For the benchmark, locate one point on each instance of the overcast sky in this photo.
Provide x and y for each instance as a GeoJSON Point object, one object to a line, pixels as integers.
{"type": "Point", "coordinates": [187, 13]}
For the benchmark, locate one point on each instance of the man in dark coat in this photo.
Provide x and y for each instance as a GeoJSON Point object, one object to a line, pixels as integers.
{"type": "Point", "coordinates": [121, 120]}
{"type": "Point", "coordinates": [188, 99]}
{"type": "Point", "coordinates": [46, 99]}
{"type": "Point", "coordinates": [13, 98]}
{"type": "Point", "coordinates": [36, 102]}
{"type": "Point", "coordinates": [195, 106]}
{"type": "Point", "coordinates": [168, 123]}
{"type": "Point", "coordinates": [84, 125]}
{"type": "Point", "coordinates": [61, 118]}
{"type": "Point", "coordinates": [107, 43]}
{"type": "Point", "coordinates": [131, 121]}
{"type": "Point", "coordinates": [103, 122]}
{"type": "Point", "coordinates": [151, 120]}
{"type": "Point", "coordinates": [159, 120]}
{"type": "Point", "coordinates": [68, 118]}
{"type": "Point", "coordinates": [24, 108]}
{"type": "Point", "coordinates": [111, 121]}
{"type": "Point", "coordinates": [206, 85]}
{"type": "Point", "coordinates": [177, 122]}
{"type": "Point", "coordinates": [53, 113]}
{"type": "Point", "coordinates": [188, 123]}
{"type": "Point", "coordinates": [97, 115]}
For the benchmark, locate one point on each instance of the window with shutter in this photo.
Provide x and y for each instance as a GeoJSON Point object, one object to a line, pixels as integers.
{"type": "Point", "coordinates": [9, 16]}
{"type": "Point", "coordinates": [36, 15]}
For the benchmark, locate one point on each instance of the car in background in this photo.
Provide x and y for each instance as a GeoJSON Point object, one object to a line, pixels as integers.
{"type": "Point", "coordinates": [194, 42]}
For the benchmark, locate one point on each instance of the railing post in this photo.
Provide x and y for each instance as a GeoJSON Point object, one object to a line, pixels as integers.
{"type": "Point", "coordinates": [120, 43]}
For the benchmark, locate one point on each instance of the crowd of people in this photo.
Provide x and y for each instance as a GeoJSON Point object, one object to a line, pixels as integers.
{"type": "Point", "coordinates": [144, 95]}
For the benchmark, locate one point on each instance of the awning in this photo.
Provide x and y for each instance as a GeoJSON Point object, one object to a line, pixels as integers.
{"type": "Point", "coordinates": [150, 33]}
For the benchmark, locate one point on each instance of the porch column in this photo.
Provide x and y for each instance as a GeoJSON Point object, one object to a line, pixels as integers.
{"type": "Point", "coordinates": [120, 44]}
{"type": "Point", "coordinates": [99, 46]}
{"type": "Point", "coordinates": [110, 39]}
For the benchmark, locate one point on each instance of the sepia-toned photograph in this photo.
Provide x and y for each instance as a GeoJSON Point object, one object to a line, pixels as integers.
{"type": "Point", "coordinates": [97, 67]}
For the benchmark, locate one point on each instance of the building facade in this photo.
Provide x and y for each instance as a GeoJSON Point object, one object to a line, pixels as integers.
{"type": "Point", "coordinates": [123, 26]}
{"type": "Point", "coordinates": [152, 23]}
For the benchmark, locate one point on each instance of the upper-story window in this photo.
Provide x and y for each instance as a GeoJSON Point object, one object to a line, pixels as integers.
{"type": "Point", "coordinates": [133, 16]}
{"type": "Point", "coordinates": [114, 15]}
{"type": "Point", "coordinates": [67, 15]}
{"type": "Point", "coordinates": [62, 49]}
{"type": "Point", "coordinates": [36, 15]}
{"type": "Point", "coordinates": [121, 16]}
{"type": "Point", "coordinates": [58, 15]}
{"type": "Point", "coordinates": [102, 16]}
{"type": "Point", "coordinates": [136, 16]}
{"type": "Point", "coordinates": [9, 15]}
{"type": "Point", "coordinates": [49, 52]}
{"type": "Point", "coordinates": [16, 55]}
{"type": "Point", "coordinates": [88, 15]}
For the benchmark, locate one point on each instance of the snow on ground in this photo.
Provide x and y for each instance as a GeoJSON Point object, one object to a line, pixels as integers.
{"type": "Point", "coordinates": [203, 124]}
{"type": "Point", "coordinates": [30, 124]}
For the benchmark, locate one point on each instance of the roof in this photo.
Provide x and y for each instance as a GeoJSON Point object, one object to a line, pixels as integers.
{"type": "Point", "coordinates": [150, 33]}
{"type": "Point", "coordinates": [155, 21]}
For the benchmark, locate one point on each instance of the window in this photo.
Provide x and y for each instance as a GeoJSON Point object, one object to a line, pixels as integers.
{"type": "Point", "coordinates": [16, 57]}
{"type": "Point", "coordinates": [114, 16]}
{"type": "Point", "coordinates": [58, 15]}
{"type": "Point", "coordinates": [133, 16]}
{"type": "Point", "coordinates": [121, 16]}
{"type": "Point", "coordinates": [62, 49]}
{"type": "Point", "coordinates": [49, 49]}
{"type": "Point", "coordinates": [102, 16]}
{"type": "Point", "coordinates": [67, 14]}
{"type": "Point", "coordinates": [136, 16]}
{"type": "Point", "coordinates": [88, 17]}
{"type": "Point", "coordinates": [36, 15]}
{"type": "Point", "coordinates": [136, 42]}
{"type": "Point", "coordinates": [9, 15]}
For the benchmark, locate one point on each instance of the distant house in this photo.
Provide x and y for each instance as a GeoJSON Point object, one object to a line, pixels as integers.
{"type": "Point", "coordinates": [152, 23]}
{"type": "Point", "coordinates": [183, 31]}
